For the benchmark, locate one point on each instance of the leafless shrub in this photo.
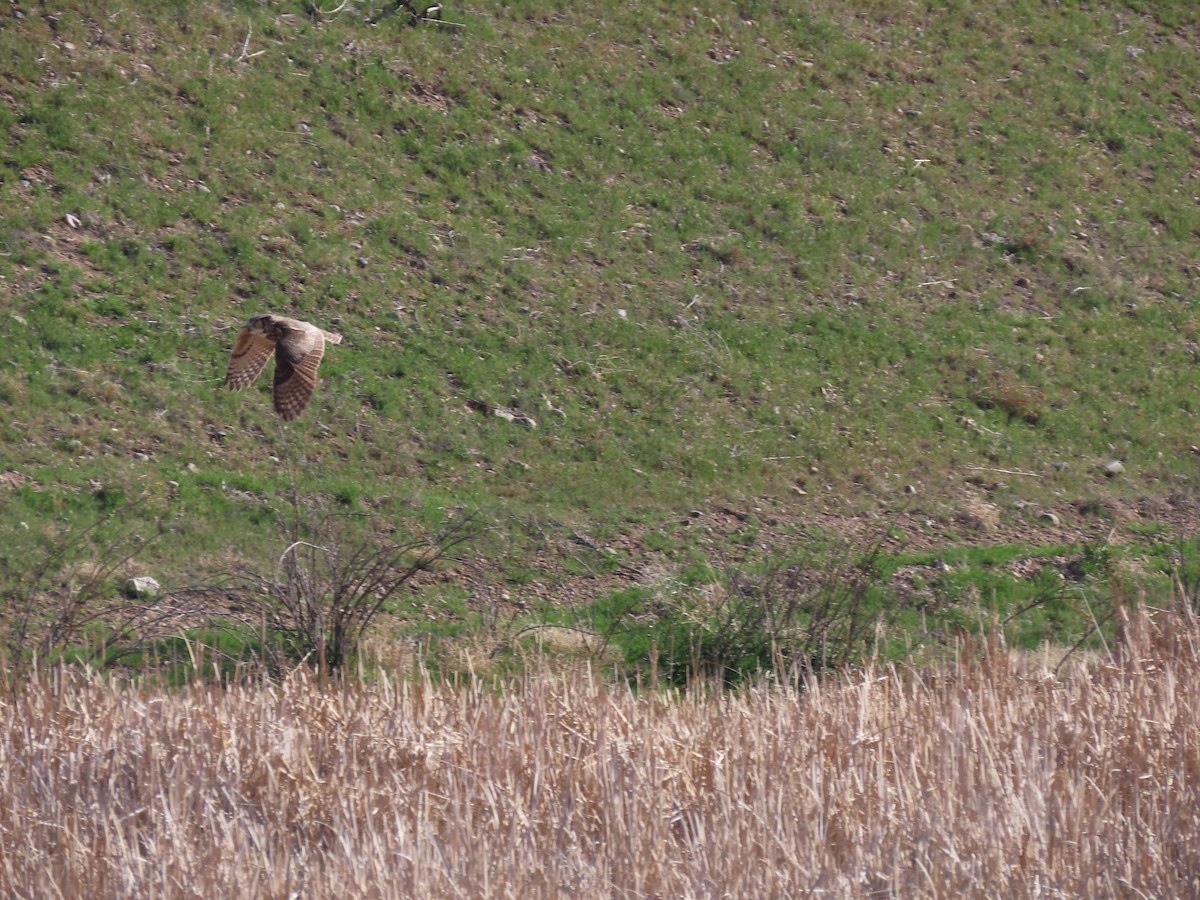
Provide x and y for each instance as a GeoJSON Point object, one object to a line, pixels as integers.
{"type": "Point", "coordinates": [791, 615]}
{"type": "Point", "coordinates": [332, 581]}
{"type": "Point", "coordinates": [60, 592]}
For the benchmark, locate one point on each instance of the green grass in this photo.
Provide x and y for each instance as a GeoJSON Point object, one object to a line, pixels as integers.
{"type": "Point", "coordinates": [717, 252]}
{"type": "Point", "coordinates": [752, 615]}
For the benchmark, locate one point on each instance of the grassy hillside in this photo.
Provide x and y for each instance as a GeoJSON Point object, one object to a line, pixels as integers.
{"type": "Point", "coordinates": [886, 262]}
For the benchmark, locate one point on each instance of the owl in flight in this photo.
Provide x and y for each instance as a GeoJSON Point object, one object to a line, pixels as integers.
{"type": "Point", "coordinates": [298, 348]}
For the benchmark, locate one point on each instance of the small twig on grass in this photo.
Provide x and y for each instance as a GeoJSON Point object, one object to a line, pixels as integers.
{"type": "Point", "coordinates": [441, 22]}
{"type": "Point", "coordinates": [246, 54]}
{"type": "Point", "coordinates": [1002, 471]}
{"type": "Point", "coordinates": [332, 12]}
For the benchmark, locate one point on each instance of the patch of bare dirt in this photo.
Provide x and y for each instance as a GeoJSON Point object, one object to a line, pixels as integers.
{"type": "Point", "coordinates": [727, 534]}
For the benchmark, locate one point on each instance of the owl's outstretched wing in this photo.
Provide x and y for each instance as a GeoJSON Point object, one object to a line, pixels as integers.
{"type": "Point", "coordinates": [250, 354]}
{"type": "Point", "coordinates": [297, 357]}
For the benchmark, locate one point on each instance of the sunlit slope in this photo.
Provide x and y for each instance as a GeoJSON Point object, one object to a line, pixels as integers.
{"type": "Point", "coordinates": [869, 257]}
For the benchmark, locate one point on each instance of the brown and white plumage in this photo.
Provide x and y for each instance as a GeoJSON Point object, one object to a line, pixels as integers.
{"type": "Point", "coordinates": [298, 348]}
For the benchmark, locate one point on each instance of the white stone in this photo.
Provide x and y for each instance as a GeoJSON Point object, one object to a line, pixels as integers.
{"type": "Point", "coordinates": [142, 586]}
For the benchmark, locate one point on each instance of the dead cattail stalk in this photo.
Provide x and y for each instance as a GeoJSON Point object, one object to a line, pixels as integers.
{"type": "Point", "coordinates": [990, 776]}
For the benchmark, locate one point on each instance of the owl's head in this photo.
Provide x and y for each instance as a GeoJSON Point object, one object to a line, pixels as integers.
{"type": "Point", "coordinates": [264, 325]}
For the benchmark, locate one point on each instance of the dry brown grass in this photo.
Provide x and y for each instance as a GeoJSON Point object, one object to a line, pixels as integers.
{"type": "Point", "coordinates": [993, 777]}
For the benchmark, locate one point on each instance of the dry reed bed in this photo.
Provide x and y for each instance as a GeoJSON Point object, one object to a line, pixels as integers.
{"type": "Point", "coordinates": [986, 778]}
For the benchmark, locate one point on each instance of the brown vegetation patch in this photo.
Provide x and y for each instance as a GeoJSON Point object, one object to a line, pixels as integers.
{"type": "Point", "coordinates": [994, 776]}
{"type": "Point", "coordinates": [12, 480]}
